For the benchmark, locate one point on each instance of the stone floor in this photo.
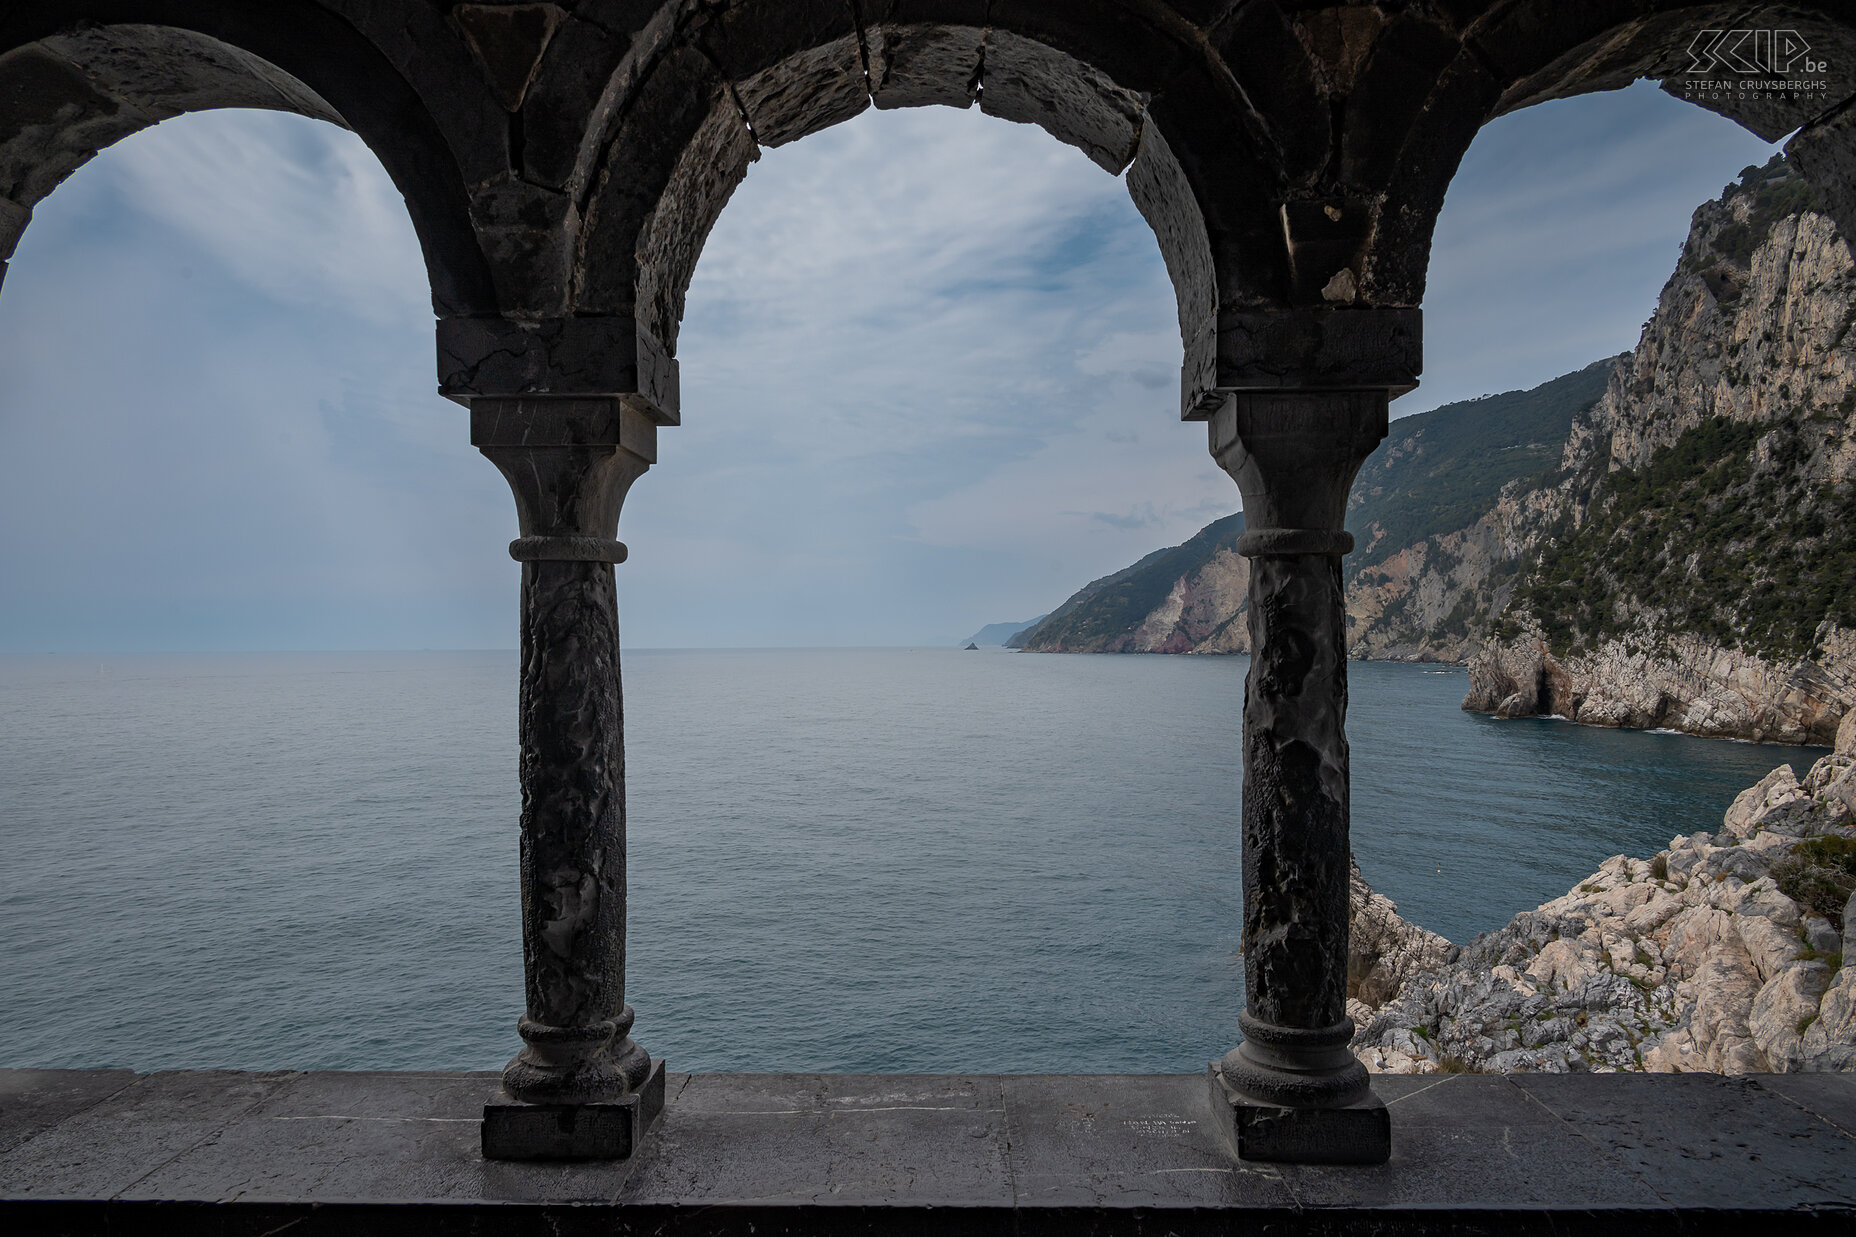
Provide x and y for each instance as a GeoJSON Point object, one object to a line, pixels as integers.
{"type": "Point", "coordinates": [226, 1153]}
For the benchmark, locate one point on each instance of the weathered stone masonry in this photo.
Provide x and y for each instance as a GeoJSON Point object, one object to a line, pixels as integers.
{"type": "Point", "coordinates": [563, 164]}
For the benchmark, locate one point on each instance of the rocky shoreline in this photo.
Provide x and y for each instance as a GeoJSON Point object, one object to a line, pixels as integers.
{"type": "Point", "coordinates": [1686, 570]}
{"type": "Point", "coordinates": [1683, 683]}
{"type": "Point", "coordinates": [1723, 953]}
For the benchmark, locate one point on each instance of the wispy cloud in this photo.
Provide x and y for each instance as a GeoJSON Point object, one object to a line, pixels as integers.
{"type": "Point", "coordinates": [930, 373]}
{"type": "Point", "coordinates": [1560, 229]}
{"type": "Point", "coordinates": [300, 212]}
{"type": "Point", "coordinates": [218, 426]}
{"type": "Point", "coordinates": [935, 332]}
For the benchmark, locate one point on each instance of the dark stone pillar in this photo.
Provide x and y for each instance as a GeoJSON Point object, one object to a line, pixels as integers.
{"type": "Point", "coordinates": [581, 1088]}
{"type": "Point", "coordinates": [1292, 1090]}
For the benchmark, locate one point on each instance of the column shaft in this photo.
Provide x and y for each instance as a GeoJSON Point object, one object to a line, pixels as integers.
{"type": "Point", "coordinates": [1294, 455]}
{"type": "Point", "coordinates": [1295, 793]}
{"type": "Point", "coordinates": [573, 840]}
{"type": "Point", "coordinates": [570, 463]}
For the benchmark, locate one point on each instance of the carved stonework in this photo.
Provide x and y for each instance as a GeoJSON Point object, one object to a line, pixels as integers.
{"type": "Point", "coordinates": [577, 1031]}
{"type": "Point", "coordinates": [1294, 455]}
{"type": "Point", "coordinates": [570, 463]}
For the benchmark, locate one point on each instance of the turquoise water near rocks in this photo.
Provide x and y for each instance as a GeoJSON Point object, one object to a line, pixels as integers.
{"type": "Point", "coordinates": [861, 860]}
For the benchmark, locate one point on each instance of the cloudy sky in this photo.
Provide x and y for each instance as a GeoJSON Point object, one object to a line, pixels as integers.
{"type": "Point", "coordinates": [929, 372]}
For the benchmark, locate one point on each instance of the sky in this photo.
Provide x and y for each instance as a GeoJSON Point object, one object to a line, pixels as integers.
{"type": "Point", "coordinates": [930, 381]}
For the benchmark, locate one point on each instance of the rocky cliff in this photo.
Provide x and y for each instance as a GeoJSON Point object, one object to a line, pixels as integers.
{"type": "Point", "coordinates": [1664, 539]}
{"type": "Point", "coordinates": [1418, 579]}
{"type": "Point", "coordinates": [1723, 953]}
{"type": "Point", "coordinates": [1187, 599]}
{"type": "Point", "coordinates": [1694, 566]}
{"type": "Point", "coordinates": [1437, 558]}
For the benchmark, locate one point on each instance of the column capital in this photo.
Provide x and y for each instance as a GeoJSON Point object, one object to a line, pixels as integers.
{"type": "Point", "coordinates": [570, 460]}
{"type": "Point", "coordinates": [1294, 455]}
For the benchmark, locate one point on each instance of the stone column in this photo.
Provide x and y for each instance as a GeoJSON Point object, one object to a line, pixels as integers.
{"type": "Point", "coordinates": [1292, 1090]}
{"type": "Point", "coordinates": [580, 1088]}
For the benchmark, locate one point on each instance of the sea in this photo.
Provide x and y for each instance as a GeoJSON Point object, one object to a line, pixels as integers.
{"type": "Point", "coordinates": [921, 860]}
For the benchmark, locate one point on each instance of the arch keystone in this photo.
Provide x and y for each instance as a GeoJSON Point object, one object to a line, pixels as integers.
{"type": "Point", "coordinates": [919, 66]}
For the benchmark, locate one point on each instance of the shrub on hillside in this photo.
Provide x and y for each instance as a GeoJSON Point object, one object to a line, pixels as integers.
{"type": "Point", "coordinates": [1819, 875]}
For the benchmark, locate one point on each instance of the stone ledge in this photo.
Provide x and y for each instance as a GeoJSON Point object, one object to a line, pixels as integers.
{"type": "Point", "coordinates": [234, 1153]}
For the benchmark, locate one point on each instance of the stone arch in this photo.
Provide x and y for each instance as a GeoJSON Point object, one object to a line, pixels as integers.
{"type": "Point", "coordinates": [70, 86]}
{"type": "Point", "coordinates": [1144, 94]}
{"type": "Point", "coordinates": [1516, 56]}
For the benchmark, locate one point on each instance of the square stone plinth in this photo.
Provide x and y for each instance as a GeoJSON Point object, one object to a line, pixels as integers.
{"type": "Point", "coordinates": [514, 1130]}
{"type": "Point", "coordinates": [1358, 1133]}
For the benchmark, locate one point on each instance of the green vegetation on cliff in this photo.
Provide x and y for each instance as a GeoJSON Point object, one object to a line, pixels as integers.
{"type": "Point", "coordinates": [1819, 875]}
{"type": "Point", "coordinates": [1117, 604]}
{"type": "Point", "coordinates": [1442, 470]}
{"type": "Point", "coordinates": [1718, 535]}
{"type": "Point", "coordinates": [1778, 192]}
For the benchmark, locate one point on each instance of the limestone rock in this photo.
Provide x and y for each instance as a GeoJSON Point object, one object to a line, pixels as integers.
{"type": "Point", "coordinates": [1784, 1010]}
{"type": "Point", "coordinates": [1777, 795]}
{"type": "Point", "coordinates": [1383, 949]}
{"type": "Point", "coordinates": [1695, 959]}
{"type": "Point", "coordinates": [1829, 1041]}
{"type": "Point", "coordinates": [1820, 936]}
{"type": "Point", "coordinates": [1518, 680]}
{"type": "Point", "coordinates": [1725, 988]}
{"type": "Point", "coordinates": [1678, 682]}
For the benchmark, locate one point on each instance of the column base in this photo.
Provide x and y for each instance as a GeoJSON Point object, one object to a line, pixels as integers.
{"type": "Point", "coordinates": [1356, 1133]}
{"type": "Point", "coordinates": [606, 1130]}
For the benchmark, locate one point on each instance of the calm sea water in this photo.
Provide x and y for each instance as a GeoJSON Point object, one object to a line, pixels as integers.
{"type": "Point", "coordinates": [857, 860]}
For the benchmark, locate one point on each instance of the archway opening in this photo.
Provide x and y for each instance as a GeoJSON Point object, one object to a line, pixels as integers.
{"type": "Point", "coordinates": [218, 434]}
{"type": "Point", "coordinates": [1561, 229]}
{"type": "Point", "coordinates": [929, 373]}
{"type": "Point", "coordinates": [1682, 499]}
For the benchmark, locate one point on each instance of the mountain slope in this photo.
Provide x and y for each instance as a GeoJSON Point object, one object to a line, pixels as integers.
{"type": "Point", "coordinates": [1686, 555]}
{"type": "Point", "coordinates": [995, 634]}
{"type": "Point", "coordinates": [1440, 471]}
{"type": "Point", "coordinates": [1172, 601]}
{"type": "Point", "coordinates": [1436, 472]}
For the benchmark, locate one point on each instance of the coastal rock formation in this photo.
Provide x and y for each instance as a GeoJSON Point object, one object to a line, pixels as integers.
{"type": "Point", "coordinates": [1664, 539]}
{"type": "Point", "coordinates": [1723, 953]}
{"type": "Point", "coordinates": [1690, 569]}
{"type": "Point", "coordinates": [1190, 598]}
{"type": "Point", "coordinates": [1679, 682]}
{"type": "Point", "coordinates": [1384, 950]}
